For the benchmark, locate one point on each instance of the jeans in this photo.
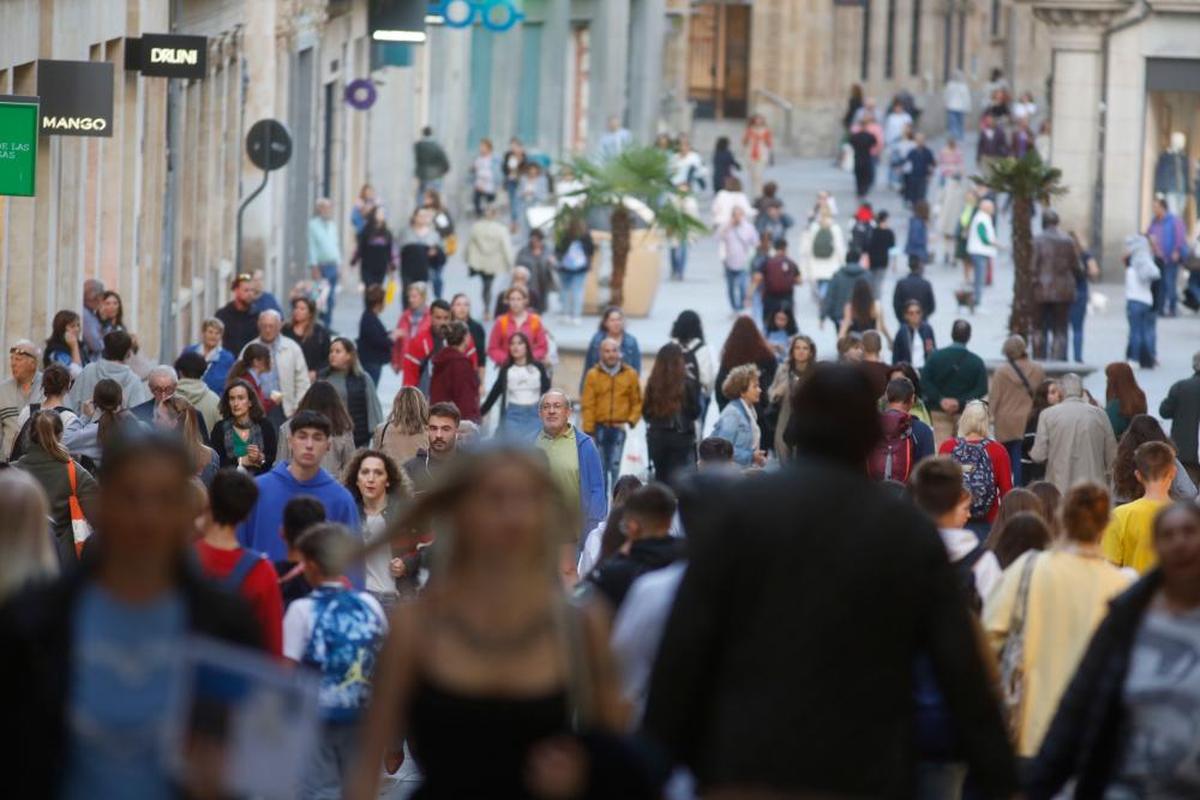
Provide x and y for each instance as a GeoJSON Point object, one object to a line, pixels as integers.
{"type": "Point", "coordinates": [486, 291]}
{"type": "Point", "coordinates": [330, 273]}
{"type": "Point", "coordinates": [572, 283]}
{"type": "Point", "coordinates": [980, 264]}
{"type": "Point", "coordinates": [510, 188]}
{"type": "Point", "coordinates": [610, 441]}
{"type": "Point", "coordinates": [1142, 335]}
{"type": "Point", "coordinates": [1050, 335]}
{"type": "Point", "coordinates": [372, 369]}
{"type": "Point", "coordinates": [736, 282]}
{"type": "Point", "coordinates": [435, 184]}
{"type": "Point", "coordinates": [939, 780]}
{"type": "Point", "coordinates": [954, 125]}
{"type": "Point", "coordinates": [328, 768]}
{"type": "Point", "coordinates": [435, 277]}
{"type": "Point", "coordinates": [1014, 458]}
{"type": "Point", "coordinates": [1078, 312]}
{"type": "Point", "coordinates": [482, 199]}
{"type": "Point", "coordinates": [679, 254]}
{"type": "Point", "coordinates": [1169, 297]}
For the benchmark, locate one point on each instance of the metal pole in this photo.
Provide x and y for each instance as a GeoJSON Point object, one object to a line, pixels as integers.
{"type": "Point", "coordinates": [166, 328]}
{"type": "Point", "coordinates": [254, 194]}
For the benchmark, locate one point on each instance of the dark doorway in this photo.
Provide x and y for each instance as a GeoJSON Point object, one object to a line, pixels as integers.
{"type": "Point", "coordinates": [719, 60]}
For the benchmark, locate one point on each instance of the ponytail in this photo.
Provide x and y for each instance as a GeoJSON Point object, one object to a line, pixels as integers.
{"type": "Point", "coordinates": [47, 432]}
{"type": "Point", "coordinates": [107, 398]}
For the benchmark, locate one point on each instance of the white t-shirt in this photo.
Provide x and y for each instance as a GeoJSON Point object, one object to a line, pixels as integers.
{"type": "Point", "coordinates": [524, 385]}
{"type": "Point", "coordinates": [298, 623]}
{"type": "Point", "coordinates": [378, 565]}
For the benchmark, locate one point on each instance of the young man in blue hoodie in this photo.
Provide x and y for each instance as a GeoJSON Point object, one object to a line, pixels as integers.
{"type": "Point", "coordinates": [308, 442]}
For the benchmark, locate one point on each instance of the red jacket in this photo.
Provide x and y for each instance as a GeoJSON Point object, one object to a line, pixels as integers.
{"type": "Point", "coordinates": [1001, 468]}
{"type": "Point", "coordinates": [503, 330]}
{"type": "Point", "coordinates": [455, 380]}
{"type": "Point", "coordinates": [400, 343]}
{"type": "Point", "coordinates": [418, 351]}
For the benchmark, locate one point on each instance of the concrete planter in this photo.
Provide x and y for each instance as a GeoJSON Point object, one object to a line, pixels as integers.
{"type": "Point", "coordinates": [642, 274]}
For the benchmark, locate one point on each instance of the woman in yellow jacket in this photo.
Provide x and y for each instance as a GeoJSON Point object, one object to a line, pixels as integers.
{"type": "Point", "coordinates": [1066, 593]}
{"type": "Point", "coordinates": [611, 405]}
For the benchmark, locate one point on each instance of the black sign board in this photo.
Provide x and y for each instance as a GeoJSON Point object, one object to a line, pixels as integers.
{"type": "Point", "coordinates": [163, 55]}
{"type": "Point", "coordinates": [77, 98]}
{"type": "Point", "coordinates": [268, 144]}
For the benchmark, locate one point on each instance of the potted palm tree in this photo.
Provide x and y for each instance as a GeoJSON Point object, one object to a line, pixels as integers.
{"type": "Point", "coordinates": [1028, 180]}
{"type": "Point", "coordinates": [634, 185]}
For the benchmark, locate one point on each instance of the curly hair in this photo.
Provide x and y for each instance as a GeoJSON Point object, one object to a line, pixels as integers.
{"type": "Point", "coordinates": [745, 345]}
{"type": "Point", "coordinates": [738, 381]}
{"type": "Point", "coordinates": [398, 481]}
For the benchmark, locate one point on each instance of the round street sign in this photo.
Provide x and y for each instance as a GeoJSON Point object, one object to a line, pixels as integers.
{"type": "Point", "coordinates": [268, 144]}
{"type": "Point", "coordinates": [361, 94]}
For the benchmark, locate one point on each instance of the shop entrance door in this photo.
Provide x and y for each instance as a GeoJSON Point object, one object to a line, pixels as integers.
{"type": "Point", "coordinates": [719, 60]}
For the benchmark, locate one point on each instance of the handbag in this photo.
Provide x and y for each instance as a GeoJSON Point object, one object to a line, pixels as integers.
{"type": "Point", "coordinates": [1012, 654]}
{"type": "Point", "coordinates": [450, 244]}
{"type": "Point", "coordinates": [80, 529]}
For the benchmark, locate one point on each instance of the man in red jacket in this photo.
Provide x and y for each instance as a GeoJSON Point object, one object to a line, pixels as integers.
{"type": "Point", "coordinates": [418, 355]}
{"type": "Point", "coordinates": [455, 379]}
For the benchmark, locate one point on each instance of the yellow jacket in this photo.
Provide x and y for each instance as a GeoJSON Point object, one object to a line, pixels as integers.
{"type": "Point", "coordinates": [1069, 592]}
{"type": "Point", "coordinates": [611, 399]}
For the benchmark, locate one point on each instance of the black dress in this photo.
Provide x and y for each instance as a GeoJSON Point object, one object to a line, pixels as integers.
{"type": "Point", "coordinates": [492, 734]}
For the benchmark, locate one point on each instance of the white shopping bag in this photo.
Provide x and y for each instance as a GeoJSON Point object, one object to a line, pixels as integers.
{"type": "Point", "coordinates": [635, 458]}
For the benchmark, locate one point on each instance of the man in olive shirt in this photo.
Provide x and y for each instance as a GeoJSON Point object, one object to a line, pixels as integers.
{"type": "Point", "coordinates": [574, 465]}
{"type": "Point", "coordinates": [953, 376]}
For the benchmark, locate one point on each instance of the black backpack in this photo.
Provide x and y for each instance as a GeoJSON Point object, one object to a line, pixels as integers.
{"type": "Point", "coordinates": [964, 570]}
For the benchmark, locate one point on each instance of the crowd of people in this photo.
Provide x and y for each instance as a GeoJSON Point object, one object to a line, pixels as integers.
{"type": "Point", "coordinates": [483, 580]}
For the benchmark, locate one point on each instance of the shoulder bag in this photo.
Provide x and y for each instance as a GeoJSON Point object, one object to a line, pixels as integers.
{"type": "Point", "coordinates": [1012, 654]}
{"type": "Point", "coordinates": [80, 528]}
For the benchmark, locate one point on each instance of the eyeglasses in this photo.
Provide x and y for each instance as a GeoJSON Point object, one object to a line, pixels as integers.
{"type": "Point", "coordinates": [16, 351]}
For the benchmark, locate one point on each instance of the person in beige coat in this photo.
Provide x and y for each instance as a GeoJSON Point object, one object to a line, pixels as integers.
{"type": "Point", "coordinates": [489, 253]}
{"type": "Point", "coordinates": [1074, 439]}
{"type": "Point", "coordinates": [287, 360]}
{"type": "Point", "coordinates": [1010, 399]}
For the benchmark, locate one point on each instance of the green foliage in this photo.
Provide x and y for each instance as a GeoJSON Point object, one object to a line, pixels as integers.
{"type": "Point", "coordinates": [1026, 178]}
{"type": "Point", "coordinates": [641, 174]}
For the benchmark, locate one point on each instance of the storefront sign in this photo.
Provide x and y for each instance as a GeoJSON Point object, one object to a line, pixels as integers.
{"type": "Point", "coordinates": [18, 145]}
{"type": "Point", "coordinates": [77, 98]}
{"type": "Point", "coordinates": [162, 55]}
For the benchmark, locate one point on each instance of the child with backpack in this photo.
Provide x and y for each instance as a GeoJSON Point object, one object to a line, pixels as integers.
{"type": "Point", "coordinates": [337, 631]}
{"type": "Point", "coordinates": [987, 470]}
{"type": "Point", "coordinates": [247, 572]}
{"type": "Point", "coordinates": [906, 440]}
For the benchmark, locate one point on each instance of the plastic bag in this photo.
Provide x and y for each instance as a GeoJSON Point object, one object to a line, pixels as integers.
{"type": "Point", "coordinates": [635, 457]}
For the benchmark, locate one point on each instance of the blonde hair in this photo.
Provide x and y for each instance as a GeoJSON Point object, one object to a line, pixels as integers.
{"type": "Point", "coordinates": [26, 552]}
{"type": "Point", "coordinates": [738, 381]}
{"type": "Point", "coordinates": [410, 411]}
{"type": "Point", "coordinates": [974, 420]}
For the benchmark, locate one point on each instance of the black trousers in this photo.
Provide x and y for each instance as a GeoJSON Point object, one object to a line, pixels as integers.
{"type": "Point", "coordinates": [670, 452]}
{"type": "Point", "coordinates": [1050, 333]}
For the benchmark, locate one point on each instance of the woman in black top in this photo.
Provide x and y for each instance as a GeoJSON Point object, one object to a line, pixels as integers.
{"type": "Point", "coordinates": [356, 388]}
{"type": "Point", "coordinates": [244, 437]}
{"type": "Point", "coordinates": [723, 163]}
{"type": "Point", "coordinates": [306, 330]}
{"type": "Point", "coordinates": [376, 248]}
{"type": "Point", "coordinates": [1049, 393]}
{"type": "Point", "coordinates": [460, 310]}
{"type": "Point", "coordinates": [459, 666]}
{"type": "Point", "coordinates": [671, 408]}
{"type": "Point", "coordinates": [374, 341]}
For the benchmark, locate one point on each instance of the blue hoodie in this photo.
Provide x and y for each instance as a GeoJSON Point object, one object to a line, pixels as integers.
{"type": "Point", "coordinates": [261, 529]}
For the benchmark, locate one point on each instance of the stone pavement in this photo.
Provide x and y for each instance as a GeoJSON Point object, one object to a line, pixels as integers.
{"type": "Point", "coordinates": [800, 179]}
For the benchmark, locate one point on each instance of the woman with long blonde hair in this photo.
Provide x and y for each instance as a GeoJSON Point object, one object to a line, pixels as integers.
{"type": "Point", "coordinates": [26, 543]}
{"type": "Point", "coordinates": [492, 644]}
{"type": "Point", "coordinates": [404, 432]}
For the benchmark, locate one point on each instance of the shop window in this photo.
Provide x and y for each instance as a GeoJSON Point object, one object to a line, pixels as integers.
{"type": "Point", "coordinates": [1172, 137]}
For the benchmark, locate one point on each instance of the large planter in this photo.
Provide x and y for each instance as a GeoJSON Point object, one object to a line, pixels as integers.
{"type": "Point", "coordinates": [642, 274]}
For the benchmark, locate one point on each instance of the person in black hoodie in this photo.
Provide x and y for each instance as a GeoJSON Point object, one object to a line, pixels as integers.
{"type": "Point", "coordinates": [778, 676]}
{"type": "Point", "coordinates": [374, 341]}
{"type": "Point", "coordinates": [137, 594]}
{"type": "Point", "coordinates": [646, 523]}
{"type": "Point", "coordinates": [1126, 724]}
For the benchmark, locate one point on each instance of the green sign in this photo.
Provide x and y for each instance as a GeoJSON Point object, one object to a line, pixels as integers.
{"type": "Point", "coordinates": [18, 145]}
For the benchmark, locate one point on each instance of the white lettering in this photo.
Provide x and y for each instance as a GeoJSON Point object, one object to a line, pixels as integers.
{"type": "Point", "coordinates": [167, 55]}
{"type": "Point", "coordinates": [74, 123]}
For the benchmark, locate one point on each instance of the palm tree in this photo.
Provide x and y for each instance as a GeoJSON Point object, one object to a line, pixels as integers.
{"type": "Point", "coordinates": [1028, 180]}
{"type": "Point", "coordinates": [639, 176]}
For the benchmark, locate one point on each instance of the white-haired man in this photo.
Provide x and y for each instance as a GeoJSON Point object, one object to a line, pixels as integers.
{"type": "Point", "coordinates": [289, 370]}
{"type": "Point", "coordinates": [23, 388]}
{"type": "Point", "coordinates": [1074, 439]}
{"type": "Point", "coordinates": [574, 464]}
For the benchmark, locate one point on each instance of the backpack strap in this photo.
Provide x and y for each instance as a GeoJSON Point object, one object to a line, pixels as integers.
{"type": "Point", "coordinates": [1024, 380]}
{"type": "Point", "coordinates": [241, 570]}
{"type": "Point", "coordinates": [972, 558]}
